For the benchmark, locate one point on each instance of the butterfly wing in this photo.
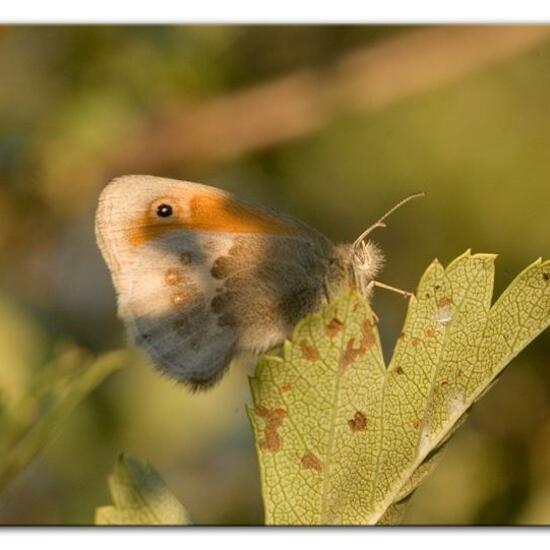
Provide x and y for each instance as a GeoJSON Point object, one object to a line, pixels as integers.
{"type": "Point", "coordinates": [165, 304]}
{"type": "Point", "coordinates": [219, 278]}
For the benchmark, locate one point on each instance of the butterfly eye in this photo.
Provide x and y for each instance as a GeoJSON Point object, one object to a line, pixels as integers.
{"type": "Point", "coordinates": [164, 210]}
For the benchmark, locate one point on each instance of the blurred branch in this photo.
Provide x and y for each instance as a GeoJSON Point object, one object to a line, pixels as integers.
{"type": "Point", "coordinates": [303, 102]}
{"type": "Point", "coordinates": [58, 390]}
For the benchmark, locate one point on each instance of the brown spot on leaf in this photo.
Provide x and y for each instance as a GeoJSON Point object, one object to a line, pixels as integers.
{"type": "Point", "coordinates": [437, 287]}
{"type": "Point", "coordinates": [309, 353]}
{"type": "Point", "coordinates": [368, 335]}
{"type": "Point", "coordinates": [402, 336]}
{"type": "Point", "coordinates": [415, 341]}
{"type": "Point", "coordinates": [351, 353]}
{"type": "Point", "coordinates": [429, 332]}
{"type": "Point", "coordinates": [416, 424]}
{"type": "Point", "coordinates": [399, 370]}
{"type": "Point", "coordinates": [285, 387]}
{"type": "Point", "coordinates": [427, 295]}
{"type": "Point", "coordinates": [358, 423]}
{"type": "Point", "coordinates": [334, 327]}
{"type": "Point", "coordinates": [311, 462]}
{"type": "Point", "coordinates": [444, 382]}
{"type": "Point", "coordinates": [444, 302]}
{"type": "Point", "coordinates": [273, 420]}
{"type": "Point", "coordinates": [546, 276]}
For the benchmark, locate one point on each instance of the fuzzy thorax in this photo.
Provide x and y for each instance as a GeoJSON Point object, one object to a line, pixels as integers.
{"type": "Point", "coordinates": [355, 266]}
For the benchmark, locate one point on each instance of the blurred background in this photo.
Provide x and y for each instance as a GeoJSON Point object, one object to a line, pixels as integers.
{"type": "Point", "coordinates": [332, 124]}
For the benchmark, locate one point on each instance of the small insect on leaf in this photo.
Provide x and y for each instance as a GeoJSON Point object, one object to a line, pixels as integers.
{"type": "Point", "coordinates": [358, 436]}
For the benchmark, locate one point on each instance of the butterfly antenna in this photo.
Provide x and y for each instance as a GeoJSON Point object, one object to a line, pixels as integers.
{"type": "Point", "coordinates": [380, 222]}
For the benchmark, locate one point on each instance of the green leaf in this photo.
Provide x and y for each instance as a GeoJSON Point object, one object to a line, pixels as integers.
{"type": "Point", "coordinates": [344, 439]}
{"type": "Point", "coordinates": [140, 497]}
{"type": "Point", "coordinates": [56, 391]}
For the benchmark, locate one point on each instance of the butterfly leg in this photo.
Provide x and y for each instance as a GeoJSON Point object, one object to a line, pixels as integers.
{"type": "Point", "coordinates": [326, 289]}
{"type": "Point", "coordinates": [378, 284]}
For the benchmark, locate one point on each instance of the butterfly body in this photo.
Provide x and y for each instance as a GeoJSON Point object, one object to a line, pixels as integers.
{"type": "Point", "coordinates": [202, 276]}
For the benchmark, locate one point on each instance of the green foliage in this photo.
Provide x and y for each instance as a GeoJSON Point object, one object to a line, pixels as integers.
{"type": "Point", "coordinates": [30, 422]}
{"type": "Point", "coordinates": [140, 497]}
{"type": "Point", "coordinates": [344, 439]}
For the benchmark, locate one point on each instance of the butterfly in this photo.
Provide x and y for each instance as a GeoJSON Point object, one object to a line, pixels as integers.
{"type": "Point", "coordinates": [202, 276]}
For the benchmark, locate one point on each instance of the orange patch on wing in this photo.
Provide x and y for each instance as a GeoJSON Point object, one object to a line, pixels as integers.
{"type": "Point", "coordinates": [211, 213]}
{"type": "Point", "coordinates": [147, 230]}
{"type": "Point", "coordinates": [221, 214]}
